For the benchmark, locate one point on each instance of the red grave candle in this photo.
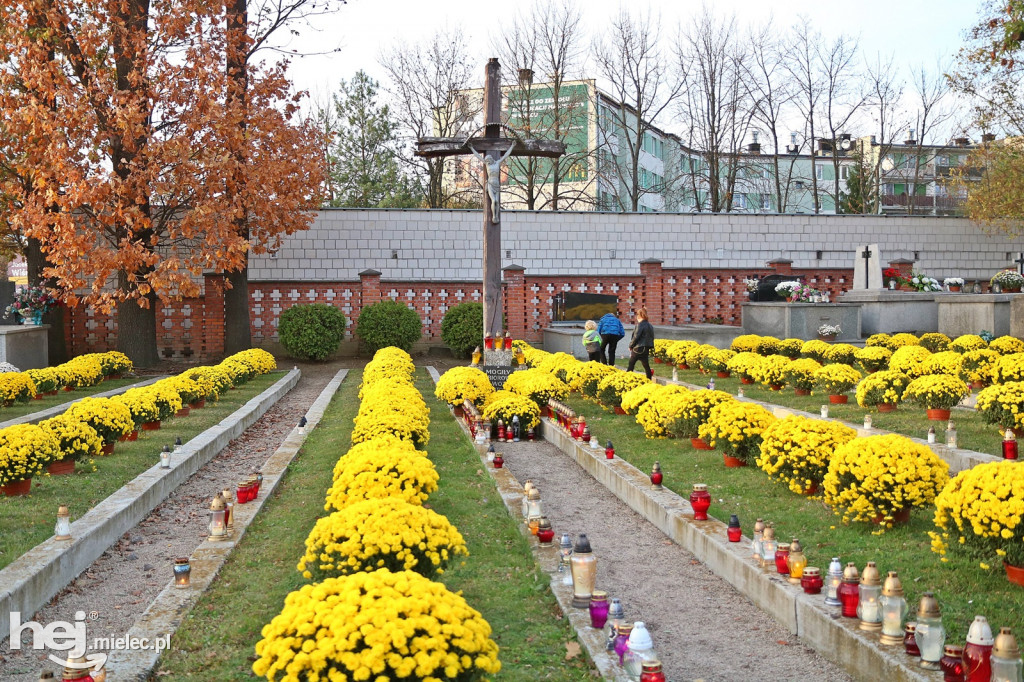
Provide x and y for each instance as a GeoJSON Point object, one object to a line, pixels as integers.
{"type": "Point", "coordinates": [700, 500]}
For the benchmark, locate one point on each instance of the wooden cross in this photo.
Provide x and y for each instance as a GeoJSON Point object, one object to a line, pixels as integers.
{"type": "Point", "coordinates": [491, 149]}
{"type": "Point", "coordinates": [867, 264]}
{"type": "Point", "coordinates": [1020, 262]}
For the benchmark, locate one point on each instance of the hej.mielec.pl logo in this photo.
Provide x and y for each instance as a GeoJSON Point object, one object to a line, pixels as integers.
{"type": "Point", "coordinates": [60, 636]}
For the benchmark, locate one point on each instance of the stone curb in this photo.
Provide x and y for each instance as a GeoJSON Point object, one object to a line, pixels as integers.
{"type": "Point", "coordinates": [35, 577]}
{"type": "Point", "coordinates": [63, 407]}
{"type": "Point", "coordinates": [806, 616]}
{"type": "Point", "coordinates": [546, 557]}
{"type": "Point", "coordinates": [168, 610]}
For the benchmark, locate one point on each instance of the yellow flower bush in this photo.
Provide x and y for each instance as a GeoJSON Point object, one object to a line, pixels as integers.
{"type": "Point", "coordinates": [76, 439]}
{"type": "Point", "coordinates": [634, 398]}
{"type": "Point", "coordinates": [882, 387]}
{"type": "Point", "coordinates": [534, 356]}
{"type": "Point", "coordinates": [935, 342]}
{"type": "Point", "coordinates": [44, 379]}
{"type": "Point", "coordinates": [745, 343]}
{"type": "Point", "coordinates": [368, 447]}
{"type": "Point", "coordinates": [239, 372]}
{"type": "Point", "coordinates": [258, 360]}
{"type": "Point", "coordinates": [897, 341]}
{"type": "Point", "coordinates": [800, 373]}
{"type": "Point", "coordinates": [936, 391]}
{"type": "Point", "coordinates": [211, 381]}
{"type": "Point", "coordinates": [736, 428]}
{"type": "Point", "coordinates": [796, 450]}
{"type": "Point", "coordinates": [717, 360]}
{"type": "Point", "coordinates": [768, 345]}
{"type": "Point", "coordinates": [944, 362]}
{"type": "Point", "coordinates": [1003, 404]}
{"type": "Point", "coordinates": [187, 388]}
{"type": "Point", "coordinates": [836, 379]}
{"type": "Point", "coordinates": [1006, 345]}
{"type": "Point", "coordinates": [585, 376]}
{"type": "Point", "coordinates": [16, 387]}
{"type": "Point", "coordinates": [463, 383]}
{"type": "Point", "coordinates": [743, 364]}
{"type": "Point", "coordinates": [537, 385]}
{"type": "Point", "coordinates": [80, 372]}
{"type": "Point", "coordinates": [398, 393]}
{"type": "Point", "coordinates": [504, 405]}
{"type": "Point", "coordinates": [791, 348]}
{"type": "Point", "coordinates": [390, 362]}
{"type": "Point", "coordinates": [770, 370]}
{"type": "Point", "coordinates": [910, 360]}
{"type": "Point", "coordinates": [373, 534]}
{"type": "Point", "coordinates": [841, 354]}
{"type": "Point", "coordinates": [110, 418]}
{"type": "Point", "coordinates": [873, 358]}
{"type": "Point", "coordinates": [695, 356]}
{"type": "Point", "coordinates": [879, 476]}
{"type": "Point", "coordinates": [693, 409]}
{"type": "Point", "coordinates": [166, 398]}
{"type": "Point", "coordinates": [114, 362]}
{"type": "Point", "coordinates": [382, 415]}
{"type": "Point", "coordinates": [878, 341]}
{"type": "Point", "coordinates": [1009, 368]}
{"type": "Point", "coordinates": [817, 350]}
{"type": "Point", "coordinates": [141, 403]}
{"type": "Point", "coordinates": [661, 407]}
{"type": "Point", "coordinates": [614, 386]}
{"type": "Point", "coordinates": [979, 366]}
{"type": "Point", "coordinates": [983, 508]}
{"type": "Point", "coordinates": [676, 352]}
{"type": "Point", "coordinates": [962, 344]}
{"type": "Point", "coordinates": [381, 473]}
{"type": "Point", "coordinates": [25, 450]}
{"type": "Point", "coordinates": [557, 364]}
{"type": "Point", "coordinates": [661, 347]}
{"type": "Point", "coordinates": [376, 626]}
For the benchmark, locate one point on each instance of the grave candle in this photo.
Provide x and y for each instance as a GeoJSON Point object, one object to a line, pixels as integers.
{"type": "Point", "coordinates": [182, 570]}
{"type": "Point", "coordinates": [1009, 445]}
{"type": "Point", "coordinates": [894, 609]}
{"type": "Point", "coordinates": [910, 639]}
{"type": "Point", "coordinates": [929, 634]}
{"type": "Point", "coordinates": [216, 524]}
{"type": "Point", "coordinates": [848, 593]}
{"type": "Point", "coordinates": [868, 593]}
{"type": "Point", "coordinates": [952, 664]}
{"type": "Point", "coordinates": [796, 562]}
{"type": "Point", "coordinates": [834, 580]}
{"type": "Point", "coordinates": [583, 567]}
{"type": "Point", "coordinates": [598, 609]}
{"type": "Point", "coordinates": [1006, 662]}
{"type": "Point", "coordinates": [735, 532]}
{"type": "Point", "coordinates": [165, 457]}
{"type": "Point", "coordinates": [62, 531]}
{"type": "Point", "coordinates": [978, 652]}
{"type": "Point", "coordinates": [755, 544]}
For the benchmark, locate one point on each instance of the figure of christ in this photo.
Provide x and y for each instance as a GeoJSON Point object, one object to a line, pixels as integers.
{"type": "Point", "coordinates": [492, 167]}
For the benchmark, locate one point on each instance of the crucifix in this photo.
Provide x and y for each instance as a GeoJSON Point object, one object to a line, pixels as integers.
{"type": "Point", "coordinates": [867, 265]}
{"type": "Point", "coordinates": [491, 149]}
{"type": "Point", "coordinates": [1020, 262]}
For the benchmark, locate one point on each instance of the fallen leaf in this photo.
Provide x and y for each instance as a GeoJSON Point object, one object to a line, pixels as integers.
{"type": "Point", "coordinates": [572, 650]}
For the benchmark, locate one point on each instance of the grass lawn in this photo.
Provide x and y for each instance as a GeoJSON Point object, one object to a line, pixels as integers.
{"type": "Point", "coordinates": [962, 587]}
{"type": "Point", "coordinates": [217, 639]}
{"type": "Point", "coordinates": [47, 401]}
{"type": "Point", "coordinates": [27, 521]}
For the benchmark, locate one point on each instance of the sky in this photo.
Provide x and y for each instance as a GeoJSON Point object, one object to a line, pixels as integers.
{"type": "Point", "coordinates": [914, 31]}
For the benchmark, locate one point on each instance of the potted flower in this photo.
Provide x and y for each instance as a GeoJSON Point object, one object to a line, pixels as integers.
{"type": "Point", "coordinates": [660, 409]}
{"type": "Point", "coordinates": [735, 427]}
{"type": "Point", "coordinates": [505, 405]}
{"type": "Point", "coordinates": [796, 450]}
{"type": "Point", "coordinates": [791, 348]}
{"type": "Point", "coordinates": [836, 380]}
{"type": "Point", "coordinates": [45, 380]}
{"type": "Point", "coordinates": [919, 282]}
{"type": "Point", "coordinates": [693, 412]}
{"type": "Point", "coordinates": [883, 390]}
{"type": "Point", "coordinates": [77, 440]}
{"type": "Point", "coordinates": [805, 294]}
{"type": "Point", "coordinates": [800, 375]}
{"type": "Point", "coordinates": [1006, 345]}
{"type": "Point", "coordinates": [939, 393]}
{"type": "Point", "coordinates": [1010, 281]}
{"type": "Point", "coordinates": [873, 358]}
{"type": "Point", "coordinates": [386, 471]}
{"type": "Point", "coordinates": [745, 343]}
{"type": "Point", "coordinates": [16, 387]}
{"type": "Point", "coordinates": [31, 303]}
{"type": "Point", "coordinates": [892, 278]}
{"type": "Point", "coordinates": [1003, 404]}
{"type": "Point", "coordinates": [967, 342]}
{"type": "Point", "coordinates": [1009, 368]}
{"type": "Point", "coordinates": [910, 360]}
{"type": "Point", "coordinates": [944, 362]}
{"type": "Point", "coordinates": [110, 418]}
{"type": "Point", "coordinates": [585, 376]}
{"type": "Point", "coordinates": [676, 352]}
{"type": "Point", "coordinates": [841, 354]}
{"type": "Point", "coordinates": [743, 364]}
{"type": "Point", "coordinates": [787, 289]}
{"type": "Point", "coordinates": [633, 399]}
{"type": "Point", "coordinates": [934, 342]}
{"type": "Point", "coordinates": [141, 403]}
{"type": "Point", "coordinates": [880, 478]}
{"type": "Point", "coordinates": [467, 383]}
{"type": "Point", "coordinates": [767, 345]}
{"type": "Point", "coordinates": [25, 450]}
{"type": "Point", "coordinates": [979, 512]}
{"type": "Point", "coordinates": [616, 384]}
{"type": "Point", "coordinates": [954, 283]}
{"type": "Point", "coordinates": [770, 372]}
{"type": "Point", "coordinates": [816, 349]}
{"type": "Point", "coordinates": [751, 284]}
{"type": "Point", "coordinates": [829, 332]}
{"type": "Point", "coordinates": [717, 361]}
{"type": "Point", "coordinates": [978, 367]}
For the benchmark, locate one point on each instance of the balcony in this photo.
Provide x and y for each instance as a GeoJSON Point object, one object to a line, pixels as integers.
{"type": "Point", "coordinates": [938, 204]}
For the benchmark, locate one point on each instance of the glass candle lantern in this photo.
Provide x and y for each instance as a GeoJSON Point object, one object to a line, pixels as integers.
{"type": "Point", "coordinates": [656, 476]}
{"type": "Point", "coordinates": [216, 525]}
{"type": "Point", "coordinates": [501, 430]}
{"type": "Point", "coordinates": [499, 461]}
{"type": "Point", "coordinates": [824, 411]}
{"type": "Point", "coordinates": [527, 487]}
{"type": "Point", "coordinates": [929, 633]}
{"type": "Point", "coordinates": [165, 457]}
{"type": "Point", "coordinates": [564, 552]}
{"type": "Point", "coordinates": [768, 547]}
{"type": "Point", "coordinates": [583, 568]}
{"type": "Point", "coordinates": [62, 531]}
{"type": "Point", "coordinates": [952, 664]}
{"type": "Point", "coordinates": [585, 436]}
{"type": "Point", "coordinates": [639, 649]}
{"type": "Point", "coordinates": [229, 510]}
{"type": "Point", "coordinates": [833, 580]}
{"type": "Point", "coordinates": [867, 421]}
{"type": "Point", "coordinates": [796, 562]}
{"type": "Point", "coordinates": [651, 672]}
{"type": "Point", "coordinates": [755, 544]}
{"type": "Point", "coordinates": [910, 640]}
{"type": "Point", "coordinates": [598, 609]}
{"type": "Point", "coordinates": [259, 482]}
{"type": "Point", "coordinates": [931, 434]}
{"type": "Point", "coordinates": [489, 342]}
{"type": "Point", "coordinates": [868, 593]}
{"type": "Point", "coordinates": [894, 610]}
{"type": "Point", "coordinates": [302, 425]}
{"type": "Point", "coordinates": [1009, 445]}
{"type": "Point", "coordinates": [700, 500]}
{"type": "Point", "coordinates": [177, 445]}
{"type": "Point", "coordinates": [609, 451]}
{"type": "Point", "coordinates": [782, 558]}
{"type": "Point", "coordinates": [535, 509]}
{"type": "Point", "coordinates": [978, 652]}
{"type": "Point", "coordinates": [499, 341]}
{"type": "Point", "coordinates": [675, 374]}
{"type": "Point", "coordinates": [620, 647]}
{"type": "Point", "coordinates": [739, 393]}
{"type": "Point", "coordinates": [711, 384]}
{"type": "Point", "coordinates": [182, 570]}
{"type": "Point", "coordinates": [78, 670]}
{"type": "Point", "coordinates": [477, 354]}
{"type": "Point", "coordinates": [545, 534]}
{"type": "Point", "coordinates": [616, 617]}
{"type": "Point", "coordinates": [735, 532]}
{"type": "Point", "coordinates": [950, 434]}
{"type": "Point", "coordinates": [1006, 662]}
{"type": "Point", "coordinates": [811, 581]}
{"type": "Point", "coordinates": [517, 428]}
{"type": "Point", "coordinates": [848, 592]}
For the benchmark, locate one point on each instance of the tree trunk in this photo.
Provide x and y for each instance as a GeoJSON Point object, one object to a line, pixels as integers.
{"type": "Point", "coordinates": [237, 326]}
{"type": "Point", "coordinates": [136, 328]}
{"type": "Point", "coordinates": [57, 348]}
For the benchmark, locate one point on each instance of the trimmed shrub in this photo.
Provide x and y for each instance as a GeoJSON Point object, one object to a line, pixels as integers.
{"type": "Point", "coordinates": [462, 328]}
{"type": "Point", "coordinates": [388, 323]}
{"type": "Point", "coordinates": [311, 331]}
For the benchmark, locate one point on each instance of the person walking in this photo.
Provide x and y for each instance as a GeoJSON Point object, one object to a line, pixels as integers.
{"type": "Point", "coordinates": [592, 341]}
{"type": "Point", "coordinates": [611, 331]}
{"type": "Point", "coordinates": [641, 343]}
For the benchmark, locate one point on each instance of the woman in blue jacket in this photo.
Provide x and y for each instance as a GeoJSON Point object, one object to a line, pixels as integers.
{"type": "Point", "coordinates": [611, 332]}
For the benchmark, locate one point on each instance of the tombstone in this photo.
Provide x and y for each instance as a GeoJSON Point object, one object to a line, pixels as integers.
{"type": "Point", "coordinates": [765, 292]}
{"type": "Point", "coordinates": [6, 299]}
{"type": "Point", "coordinates": [570, 306]}
{"type": "Point", "coordinates": [867, 268]}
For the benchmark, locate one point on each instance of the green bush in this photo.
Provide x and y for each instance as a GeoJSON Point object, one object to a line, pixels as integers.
{"type": "Point", "coordinates": [388, 323]}
{"type": "Point", "coordinates": [311, 331]}
{"type": "Point", "coordinates": [462, 328]}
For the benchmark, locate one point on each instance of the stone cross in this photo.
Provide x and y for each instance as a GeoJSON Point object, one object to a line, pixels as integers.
{"type": "Point", "coordinates": [491, 149]}
{"type": "Point", "coordinates": [1020, 262]}
{"type": "Point", "coordinates": [870, 275]}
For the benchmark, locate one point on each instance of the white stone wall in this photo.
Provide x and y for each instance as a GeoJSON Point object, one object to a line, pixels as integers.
{"type": "Point", "coordinates": [446, 245]}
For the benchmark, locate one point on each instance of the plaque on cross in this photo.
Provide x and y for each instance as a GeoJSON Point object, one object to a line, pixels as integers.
{"type": "Point", "coordinates": [491, 150]}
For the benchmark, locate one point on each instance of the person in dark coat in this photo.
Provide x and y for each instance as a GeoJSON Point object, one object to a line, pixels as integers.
{"type": "Point", "coordinates": [611, 332]}
{"type": "Point", "coordinates": [641, 343]}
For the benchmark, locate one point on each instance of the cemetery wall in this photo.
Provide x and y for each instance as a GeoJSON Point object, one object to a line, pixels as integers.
{"type": "Point", "coordinates": [685, 268]}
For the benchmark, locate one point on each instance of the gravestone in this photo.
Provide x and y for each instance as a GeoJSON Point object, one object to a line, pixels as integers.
{"type": "Point", "coordinates": [867, 268]}
{"type": "Point", "coordinates": [7, 298]}
{"type": "Point", "coordinates": [571, 306]}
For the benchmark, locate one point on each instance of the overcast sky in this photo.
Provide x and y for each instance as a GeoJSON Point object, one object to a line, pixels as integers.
{"type": "Point", "coordinates": [915, 31]}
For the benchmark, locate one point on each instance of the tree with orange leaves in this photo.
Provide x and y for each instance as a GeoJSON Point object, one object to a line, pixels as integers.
{"type": "Point", "coordinates": [127, 161]}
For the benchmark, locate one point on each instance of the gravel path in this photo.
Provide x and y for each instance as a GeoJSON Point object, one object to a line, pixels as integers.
{"type": "Point", "coordinates": [703, 629]}
{"type": "Point", "coordinates": [120, 585]}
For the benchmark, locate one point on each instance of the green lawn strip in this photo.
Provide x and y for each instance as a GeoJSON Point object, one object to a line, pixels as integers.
{"type": "Point", "coordinates": [47, 401]}
{"type": "Point", "coordinates": [962, 587]}
{"type": "Point", "coordinates": [27, 521]}
{"type": "Point", "coordinates": [217, 639]}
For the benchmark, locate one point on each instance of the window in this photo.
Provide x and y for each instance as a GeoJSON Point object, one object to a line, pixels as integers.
{"type": "Point", "coordinates": [844, 172]}
{"type": "Point", "coordinates": [819, 172]}
{"type": "Point", "coordinates": [766, 202]}
{"type": "Point", "coordinates": [740, 201]}
{"type": "Point", "coordinates": [799, 184]}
